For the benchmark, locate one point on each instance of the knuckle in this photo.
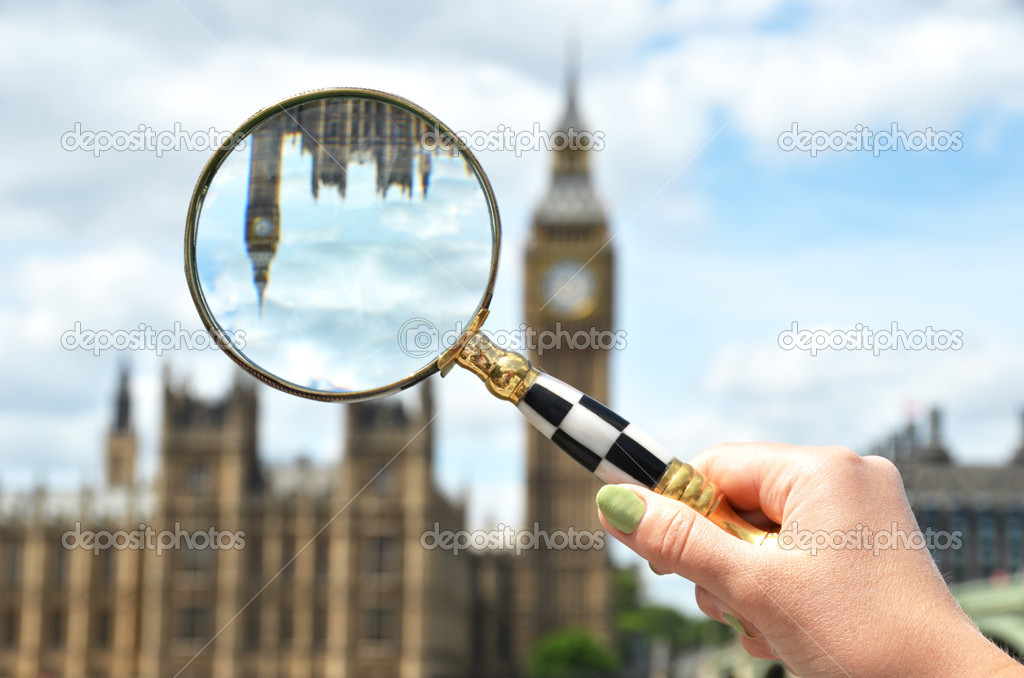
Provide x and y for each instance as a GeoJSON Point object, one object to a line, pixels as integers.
{"type": "Point", "coordinates": [673, 543]}
{"type": "Point", "coordinates": [884, 470]}
{"type": "Point", "coordinates": [707, 603]}
{"type": "Point", "coordinates": [841, 463]}
{"type": "Point", "coordinates": [845, 471]}
{"type": "Point", "coordinates": [841, 454]}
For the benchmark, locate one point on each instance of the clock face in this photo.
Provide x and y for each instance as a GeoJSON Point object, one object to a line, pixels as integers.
{"type": "Point", "coordinates": [570, 289]}
{"type": "Point", "coordinates": [262, 227]}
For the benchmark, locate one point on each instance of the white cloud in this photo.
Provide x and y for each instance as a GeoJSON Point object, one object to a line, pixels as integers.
{"type": "Point", "coordinates": [793, 396]}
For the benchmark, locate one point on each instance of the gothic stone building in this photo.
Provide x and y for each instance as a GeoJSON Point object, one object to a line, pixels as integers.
{"type": "Point", "coordinates": [982, 505]}
{"type": "Point", "coordinates": [327, 580]}
{"type": "Point", "coordinates": [332, 581]}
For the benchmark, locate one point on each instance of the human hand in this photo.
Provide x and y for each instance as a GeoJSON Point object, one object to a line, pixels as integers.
{"type": "Point", "coordinates": [841, 606]}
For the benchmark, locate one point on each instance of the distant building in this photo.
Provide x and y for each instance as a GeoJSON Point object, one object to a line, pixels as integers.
{"type": "Point", "coordinates": [981, 505]}
{"type": "Point", "coordinates": [332, 580]}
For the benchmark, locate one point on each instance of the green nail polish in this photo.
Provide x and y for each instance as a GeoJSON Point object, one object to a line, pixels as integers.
{"type": "Point", "coordinates": [621, 507]}
{"type": "Point", "coordinates": [736, 624]}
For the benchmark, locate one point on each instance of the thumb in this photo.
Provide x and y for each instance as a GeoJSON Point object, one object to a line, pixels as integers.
{"type": "Point", "coordinates": [673, 537]}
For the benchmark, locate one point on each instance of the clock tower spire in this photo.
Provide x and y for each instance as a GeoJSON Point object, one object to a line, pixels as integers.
{"type": "Point", "coordinates": [570, 199]}
{"type": "Point", "coordinates": [569, 305]}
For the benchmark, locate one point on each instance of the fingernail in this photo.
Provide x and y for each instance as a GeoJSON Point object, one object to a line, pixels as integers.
{"type": "Point", "coordinates": [621, 507]}
{"type": "Point", "coordinates": [736, 624]}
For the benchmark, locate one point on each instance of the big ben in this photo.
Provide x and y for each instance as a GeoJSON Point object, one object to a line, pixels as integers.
{"type": "Point", "coordinates": [263, 213]}
{"type": "Point", "coordinates": [568, 295]}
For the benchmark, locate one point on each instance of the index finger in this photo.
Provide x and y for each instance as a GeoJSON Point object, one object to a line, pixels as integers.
{"type": "Point", "coordinates": [760, 476]}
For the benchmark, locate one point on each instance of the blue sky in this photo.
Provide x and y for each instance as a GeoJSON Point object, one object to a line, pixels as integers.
{"type": "Point", "coordinates": [722, 239]}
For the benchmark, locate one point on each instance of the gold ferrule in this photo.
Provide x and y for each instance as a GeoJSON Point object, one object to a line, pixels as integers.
{"type": "Point", "coordinates": [684, 483]}
{"type": "Point", "coordinates": [507, 375]}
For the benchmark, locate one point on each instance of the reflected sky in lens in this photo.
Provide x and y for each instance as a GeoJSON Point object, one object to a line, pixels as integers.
{"type": "Point", "coordinates": [362, 290]}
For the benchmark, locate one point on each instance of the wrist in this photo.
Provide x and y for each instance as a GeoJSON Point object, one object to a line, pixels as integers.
{"type": "Point", "coordinates": [966, 651]}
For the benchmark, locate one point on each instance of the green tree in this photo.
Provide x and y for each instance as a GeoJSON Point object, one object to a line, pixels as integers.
{"type": "Point", "coordinates": [626, 583]}
{"type": "Point", "coordinates": [634, 620]}
{"type": "Point", "coordinates": [655, 621]}
{"type": "Point", "coordinates": [572, 653]}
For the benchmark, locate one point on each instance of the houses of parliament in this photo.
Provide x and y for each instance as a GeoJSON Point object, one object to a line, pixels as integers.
{"type": "Point", "coordinates": [328, 578]}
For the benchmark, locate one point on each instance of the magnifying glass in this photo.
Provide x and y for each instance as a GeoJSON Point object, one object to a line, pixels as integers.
{"type": "Point", "coordinates": [343, 245]}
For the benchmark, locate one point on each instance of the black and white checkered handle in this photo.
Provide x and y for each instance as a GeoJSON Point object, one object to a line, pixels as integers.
{"type": "Point", "coordinates": [617, 451]}
{"type": "Point", "coordinates": [609, 446]}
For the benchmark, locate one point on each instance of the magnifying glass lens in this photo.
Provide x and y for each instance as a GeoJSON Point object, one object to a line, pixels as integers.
{"type": "Point", "coordinates": [341, 244]}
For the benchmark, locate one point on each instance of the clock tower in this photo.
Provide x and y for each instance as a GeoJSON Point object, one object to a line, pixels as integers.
{"type": "Point", "coordinates": [263, 213]}
{"type": "Point", "coordinates": [568, 303]}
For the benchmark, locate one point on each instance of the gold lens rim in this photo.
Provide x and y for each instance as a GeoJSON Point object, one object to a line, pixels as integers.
{"type": "Point", "coordinates": [195, 209]}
